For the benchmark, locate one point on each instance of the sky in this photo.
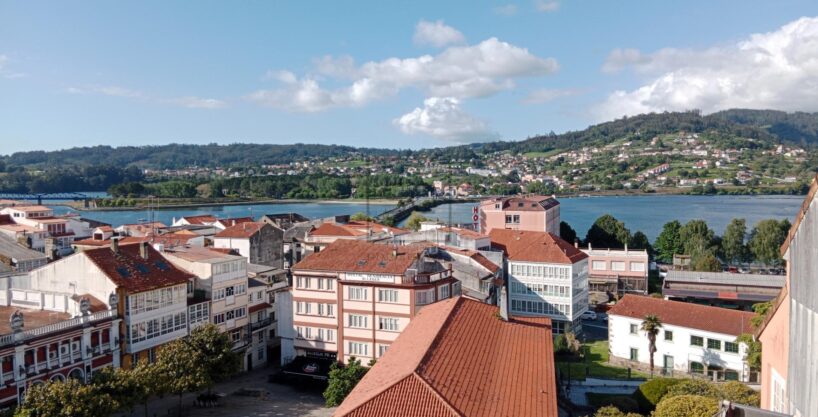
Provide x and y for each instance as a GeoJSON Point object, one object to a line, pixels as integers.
{"type": "Point", "coordinates": [381, 74]}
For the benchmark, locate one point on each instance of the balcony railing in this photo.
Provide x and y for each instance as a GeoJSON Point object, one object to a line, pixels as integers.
{"type": "Point", "coordinates": [60, 326]}
{"type": "Point", "coordinates": [259, 324]}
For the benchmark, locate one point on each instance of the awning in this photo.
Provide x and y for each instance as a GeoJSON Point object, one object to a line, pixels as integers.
{"type": "Point", "coordinates": [309, 367]}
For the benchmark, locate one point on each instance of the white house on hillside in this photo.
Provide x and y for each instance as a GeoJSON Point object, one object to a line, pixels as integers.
{"type": "Point", "coordinates": [693, 339]}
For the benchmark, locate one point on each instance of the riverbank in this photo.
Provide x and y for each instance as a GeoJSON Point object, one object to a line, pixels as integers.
{"type": "Point", "coordinates": [161, 205]}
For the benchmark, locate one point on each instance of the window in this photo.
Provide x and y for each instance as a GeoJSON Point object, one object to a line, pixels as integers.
{"type": "Point", "coordinates": [356, 348]}
{"type": "Point", "coordinates": [730, 375]}
{"type": "Point", "coordinates": [388, 296]}
{"type": "Point", "coordinates": [260, 353]}
{"type": "Point", "coordinates": [382, 349]}
{"type": "Point", "coordinates": [442, 292]}
{"type": "Point", "coordinates": [516, 218]}
{"type": "Point", "coordinates": [731, 347]}
{"type": "Point", "coordinates": [637, 267]}
{"type": "Point", "coordinates": [357, 321]}
{"type": "Point", "coordinates": [668, 335]}
{"type": "Point", "coordinates": [423, 297]}
{"type": "Point", "coordinates": [634, 354]}
{"type": "Point", "coordinates": [634, 329]}
{"type": "Point", "coordinates": [696, 368]}
{"type": "Point", "coordinates": [330, 335]}
{"type": "Point", "coordinates": [356, 293]}
{"type": "Point", "coordinates": [598, 265]}
{"type": "Point", "coordinates": [388, 323]}
{"type": "Point", "coordinates": [696, 341]}
{"type": "Point", "coordinates": [617, 266]}
{"type": "Point", "coordinates": [457, 289]}
{"type": "Point", "coordinates": [714, 344]}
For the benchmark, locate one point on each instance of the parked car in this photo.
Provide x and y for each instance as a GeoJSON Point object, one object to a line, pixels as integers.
{"type": "Point", "coordinates": [588, 315]}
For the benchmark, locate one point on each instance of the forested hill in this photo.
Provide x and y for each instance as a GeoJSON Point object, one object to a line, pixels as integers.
{"type": "Point", "coordinates": [764, 125]}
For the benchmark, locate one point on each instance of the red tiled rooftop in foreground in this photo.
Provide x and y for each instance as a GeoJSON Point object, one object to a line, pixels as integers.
{"type": "Point", "coordinates": [677, 313]}
{"type": "Point", "coordinates": [127, 269]}
{"type": "Point", "coordinates": [456, 358]}
{"type": "Point", "coordinates": [360, 256]}
{"type": "Point", "coordinates": [529, 246]}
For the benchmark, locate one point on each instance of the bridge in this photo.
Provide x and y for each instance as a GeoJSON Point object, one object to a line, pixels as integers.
{"type": "Point", "coordinates": [45, 196]}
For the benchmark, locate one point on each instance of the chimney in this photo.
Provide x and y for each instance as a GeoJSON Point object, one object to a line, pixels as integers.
{"type": "Point", "coordinates": [143, 250]}
{"type": "Point", "coordinates": [626, 248]}
{"type": "Point", "coordinates": [576, 243]}
{"type": "Point", "coordinates": [234, 222]}
{"type": "Point", "coordinates": [503, 303]}
{"type": "Point", "coordinates": [115, 245]}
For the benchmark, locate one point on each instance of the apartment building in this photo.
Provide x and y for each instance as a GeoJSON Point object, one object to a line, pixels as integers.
{"type": "Point", "coordinates": [355, 297]}
{"type": "Point", "coordinates": [36, 227]}
{"type": "Point", "coordinates": [259, 242]}
{"type": "Point", "coordinates": [342, 228]}
{"type": "Point", "coordinates": [151, 292]}
{"type": "Point", "coordinates": [789, 335]}
{"type": "Point", "coordinates": [531, 213]}
{"type": "Point", "coordinates": [617, 271]}
{"type": "Point", "coordinates": [694, 339]}
{"type": "Point", "coordinates": [18, 258]}
{"type": "Point", "coordinates": [546, 276]}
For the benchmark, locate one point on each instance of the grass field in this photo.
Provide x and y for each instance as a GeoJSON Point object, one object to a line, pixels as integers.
{"type": "Point", "coordinates": [597, 363]}
{"type": "Point", "coordinates": [543, 154]}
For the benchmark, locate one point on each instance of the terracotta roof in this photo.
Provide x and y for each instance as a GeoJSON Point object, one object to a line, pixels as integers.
{"type": "Point", "coordinates": [359, 256]}
{"type": "Point", "coordinates": [128, 270]}
{"type": "Point", "coordinates": [813, 189]}
{"type": "Point", "coordinates": [32, 318]}
{"type": "Point", "coordinates": [238, 220]}
{"type": "Point", "coordinates": [96, 304]}
{"type": "Point", "coordinates": [31, 208]}
{"type": "Point", "coordinates": [456, 358]}
{"type": "Point", "coordinates": [201, 219]}
{"type": "Point", "coordinates": [693, 316]}
{"type": "Point", "coordinates": [128, 240]}
{"type": "Point", "coordinates": [172, 239]}
{"type": "Point", "coordinates": [106, 229]}
{"type": "Point", "coordinates": [241, 231]}
{"type": "Point", "coordinates": [530, 246]}
{"type": "Point", "coordinates": [6, 219]}
{"type": "Point", "coordinates": [353, 228]}
{"type": "Point", "coordinates": [524, 203]}
{"type": "Point", "coordinates": [464, 232]}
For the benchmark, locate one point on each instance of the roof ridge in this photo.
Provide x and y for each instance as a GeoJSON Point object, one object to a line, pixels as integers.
{"type": "Point", "coordinates": [437, 394]}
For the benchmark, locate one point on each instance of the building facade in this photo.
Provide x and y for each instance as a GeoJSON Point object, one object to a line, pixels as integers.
{"type": "Point", "coordinates": [617, 271]}
{"type": "Point", "coordinates": [260, 243]}
{"type": "Point", "coordinates": [546, 276]}
{"type": "Point", "coordinates": [690, 342]}
{"type": "Point", "coordinates": [531, 213]}
{"type": "Point", "coordinates": [354, 298]}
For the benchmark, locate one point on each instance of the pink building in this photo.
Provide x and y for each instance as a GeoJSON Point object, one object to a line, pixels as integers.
{"type": "Point", "coordinates": [354, 297]}
{"type": "Point", "coordinates": [529, 213]}
{"type": "Point", "coordinates": [617, 271]}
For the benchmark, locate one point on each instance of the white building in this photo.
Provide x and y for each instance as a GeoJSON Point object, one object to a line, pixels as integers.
{"type": "Point", "coordinates": [546, 275]}
{"type": "Point", "coordinates": [693, 339]}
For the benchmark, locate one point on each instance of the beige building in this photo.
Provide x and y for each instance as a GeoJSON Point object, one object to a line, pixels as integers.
{"type": "Point", "coordinates": [354, 298]}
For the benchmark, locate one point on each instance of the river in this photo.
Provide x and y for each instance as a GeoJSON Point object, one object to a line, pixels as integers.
{"type": "Point", "coordinates": [645, 213]}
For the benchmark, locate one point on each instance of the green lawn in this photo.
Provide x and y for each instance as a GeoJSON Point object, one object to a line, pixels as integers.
{"type": "Point", "coordinates": [597, 363]}
{"type": "Point", "coordinates": [543, 154]}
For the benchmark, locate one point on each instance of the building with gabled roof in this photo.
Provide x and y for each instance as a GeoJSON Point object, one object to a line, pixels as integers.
{"type": "Point", "coordinates": [260, 243]}
{"type": "Point", "coordinates": [546, 275]}
{"type": "Point", "coordinates": [533, 213]}
{"type": "Point", "coordinates": [694, 339]}
{"type": "Point", "coordinates": [343, 228]}
{"type": "Point", "coordinates": [459, 358]}
{"type": "Point", "coordinates": [151, 292]}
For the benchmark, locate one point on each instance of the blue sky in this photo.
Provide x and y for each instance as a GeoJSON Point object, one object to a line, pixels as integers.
{"type": "Point", "coordinates": [385, 74]}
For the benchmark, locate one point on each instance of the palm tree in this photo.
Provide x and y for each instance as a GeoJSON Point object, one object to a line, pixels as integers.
{"type": "Point", "coordinates": [651, 325]}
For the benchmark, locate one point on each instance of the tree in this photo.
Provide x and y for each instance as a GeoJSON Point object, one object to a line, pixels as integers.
{"type": "Point", "coordinates": [698, 387]}
{"type": "Point", "coordinates": [71, 398]}
{"type": "Point", "coordinates": [651, 325]}
{"type": "Point", "coordinates": [761, 310]}
{"type": "Point", "coordinates": [739, 393]}
{"type": "Point", "coordinates": [696, 237]}
{"type": "Point", "coordinates": [640, 241]}
{"type": "Point", "coordinates": [150, 382]}
{"type": "Point", "coordinates": [567, 233]}
{"type": "Point", "coordinates": [361, 217]}
{"type": "Point", "coordinates": [415, 219]}
{"type": "Point", "coordinates": [342, 380]}
{"type": "Point", "coordinates": [732, 242]}
{"type": "Point", "coordinates": [611, 411]}
{"type": "Point", "coordinates": [687, 406]}
{"type": "Point", "coordinates": [121, 385]}
{"type": "Point", "coordinates": [705, 262]}
{"type": "Point", "coordinates": [608, 232]}
{"type": "Point", "coordinates": [215, 354]}
{"type": "Point", "coordinates": [179, 369]}
{"type": "Point", "coordinates": [669, 242]}
{"type": "Point", "coordinates": [766, 240]}
{"type": "Point", "coordinates": [753, 352]}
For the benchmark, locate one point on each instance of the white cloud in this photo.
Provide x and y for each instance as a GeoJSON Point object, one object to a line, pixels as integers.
{"type": "Point", "coordinates": [506, 9]}
{"type": "Point", "coordinates": [442, 117]}
{"type": "Point", "coordinates": [546, 6]}
{"type": "Point", "coordinates": [5, 72]}
{"type": "Point", "coordinates": [193, 102]}
{"type": "Point", "coordinates": [775, 70]}
{"type": "Point", "coordinates": [547, 94]}
{"type": "Point", "coordinates": [283, 76]}
{"type": "Point", "coordinates": [461, 72]}
{"type": "Point", "coordinates": [106, 90]}
{"type": "Point", "coordinates": [437, 34]}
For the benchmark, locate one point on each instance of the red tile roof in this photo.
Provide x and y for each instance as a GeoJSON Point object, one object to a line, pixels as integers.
{"type": "Point", "coordinates": [471, 234]}
{"type": "Point", "coordinates": [241, 230]}
{"type": "Point", "coordinates": [456, 358]}
{"type": "Point", "coordinates": [128, 240]}
{"type": "Point", "coordinates": [529, 246]}
{"type": "Point", "coordinates": [353, 228]}
{"type": "Point", "coordinates": [360, 256]}
{"type": "Point", "coordinates": [128, 270]}
{"type": "Point", "coordinates": [6, 219]}
{"type": "Point", "coordinates": [677, 313]}
{"type": "Point", "coordinates": [233, 221]}
{"type": "Point", "coordinates": [524, 203]}
{"type": "Point", "coordinates": [201, 219]}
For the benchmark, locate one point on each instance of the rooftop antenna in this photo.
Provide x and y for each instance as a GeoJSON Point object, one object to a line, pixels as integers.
{"type": "Point", "coordinates": [368, 222]}
{"type": "Point", "coordinates": [451, 231]}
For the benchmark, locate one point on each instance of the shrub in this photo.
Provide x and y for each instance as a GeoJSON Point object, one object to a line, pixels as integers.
{"type": "Point", "coordinates": [737, 392]}
{"type": "Point", "coordinates": [561, 345]}
{"type": "Point", "coordinates": [698, 387]}
{"type": "Point", "coordinates": [651, 392]}
{"type": "Point", "coordinates": [687, 406]}
{"type": "Point", "coordinates": [611, 411]}
{"type": "Point", "coordinates": [621, 402]}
